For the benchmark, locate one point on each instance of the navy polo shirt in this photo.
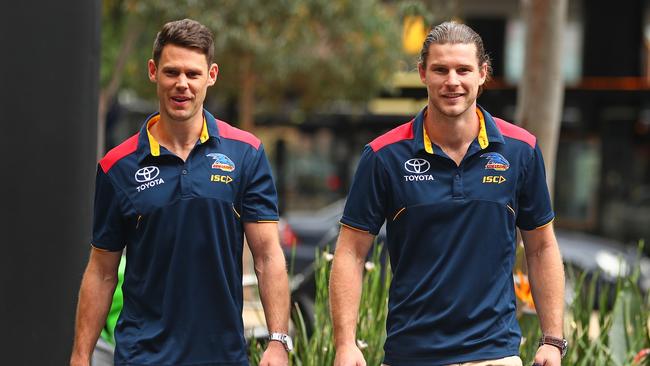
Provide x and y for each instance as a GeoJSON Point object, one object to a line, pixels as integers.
{"type": "Point", "coordinates": [182, 225]}
{"type": "Point", "coordinates": [451, 237]}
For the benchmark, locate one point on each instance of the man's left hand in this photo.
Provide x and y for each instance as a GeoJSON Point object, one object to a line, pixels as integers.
{"type": "Point", "coordinates": [548, 355]}
{"type": "Point", "coordinates": [275, 355]}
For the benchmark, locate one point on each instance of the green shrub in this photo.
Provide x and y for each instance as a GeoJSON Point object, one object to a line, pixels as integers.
{"type": "Point", "coordinates": [599, 335]}
{"type": "Point", "coordinates": [317, 349]}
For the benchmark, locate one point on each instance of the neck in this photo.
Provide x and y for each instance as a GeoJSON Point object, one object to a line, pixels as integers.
{"type": "Point", "coordinates": [178, 136]}
{"type": "Point", "coordinates": [452, 132]}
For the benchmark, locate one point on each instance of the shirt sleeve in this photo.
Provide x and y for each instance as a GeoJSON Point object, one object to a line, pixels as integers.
{"type": "Point", "coordinates": [366, 204]}
{"type": "Point", "coordinates": [108, 224]}
{"type": "Point", "coordinates": [260, 199]}
{"type": "Point", "coordinates": [534, 200]}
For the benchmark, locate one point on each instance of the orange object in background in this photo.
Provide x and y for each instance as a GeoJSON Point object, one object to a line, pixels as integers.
{"type": "Point", "coordinates": [523, 291]}
{"type": "Point", "coordinates": [642, 355]}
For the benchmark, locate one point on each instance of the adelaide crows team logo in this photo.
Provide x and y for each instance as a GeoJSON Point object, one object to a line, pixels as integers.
{"type": "Point", "coordinates": [222, 162]}
{"type": "Point", "coordinates": [496, 162]}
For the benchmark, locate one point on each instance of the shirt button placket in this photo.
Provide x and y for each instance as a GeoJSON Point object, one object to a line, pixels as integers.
{"type": "Point", "coordinates": [457, 186]}
{"type": "Point", "coordinates": [185, 182]}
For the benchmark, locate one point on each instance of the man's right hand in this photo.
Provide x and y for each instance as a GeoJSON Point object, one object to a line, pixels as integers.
{"type": "Point", "coordinates": [349, 356]}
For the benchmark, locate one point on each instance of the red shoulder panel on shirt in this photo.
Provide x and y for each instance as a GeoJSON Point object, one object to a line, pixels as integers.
{"type": "Point", "coordinates": [399, 133]}
{"type": "Point", "coordinates": [230, 132]}
{"type": "Point", "coordinates": [118, 152]}
{"type": "Point", "coordinates": [515, 132]}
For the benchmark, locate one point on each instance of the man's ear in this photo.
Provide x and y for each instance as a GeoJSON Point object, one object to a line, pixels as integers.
{"type": "Point", "coordinates": [151, 70]}
{"type": "Point", "coordinates": [213, 72]}
{"type": "Point", "coordinates": [422, 71]}
{"type": "Point", "coordinates": [483, 71]}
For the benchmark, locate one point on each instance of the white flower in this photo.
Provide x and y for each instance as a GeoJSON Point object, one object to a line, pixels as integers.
{"type": "Point", "coordinates": [328, 256]}
{"type": "Point", "coordinates": [369, 266]}
{"type": "Point", "coordinates": [362, 344]}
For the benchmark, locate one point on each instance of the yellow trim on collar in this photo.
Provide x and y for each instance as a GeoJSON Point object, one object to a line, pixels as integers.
{"type": "Point", "coordinates": [482, 132]}
{"type": "Point", "coordinates": [205, 135]}
{"type": "Point", "coordinates": [154, 146]}
{"type": "Point", "coordinates": [483, 140]}
{"type": "Point", "coordinates": [427, 141]}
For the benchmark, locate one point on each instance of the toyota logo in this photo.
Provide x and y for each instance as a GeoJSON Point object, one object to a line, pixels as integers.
{"type": "Point", "coordinates": [146, 174]}
{"type": "Point", "coordinates": [417, 166]}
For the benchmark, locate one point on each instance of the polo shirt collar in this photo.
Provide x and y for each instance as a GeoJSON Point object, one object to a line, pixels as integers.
{"type": "Point", "coordinates": [149, 146]}
{"type": "Point", "coordinates": [488, 131]}
{"type": "Point", "coordinates": [493, 134]}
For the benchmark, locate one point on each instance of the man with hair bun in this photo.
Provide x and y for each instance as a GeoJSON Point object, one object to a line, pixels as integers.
{"type": "Point", "coordinates": [453, 185]}
{"type": "Point", "coordinates": [179, 196]}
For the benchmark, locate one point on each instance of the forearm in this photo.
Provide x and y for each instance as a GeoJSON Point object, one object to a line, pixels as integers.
{"type": "Point", "coordinates": [95, 296]}
{"type": "Point", "coordinates": [345, 295]}
{"type": "Point", "coordinates": [546, 274]}
{"type": "Point", "coordinates": [271, 271]}
{"type": "Point", "coordinates": [94, 302]}
{"type": "Point", "coordinates": [273, 286]}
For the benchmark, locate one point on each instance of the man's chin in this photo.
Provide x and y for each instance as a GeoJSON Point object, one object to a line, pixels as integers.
{"type": "Point", "coordinates": [451, 111]}
{"type": "Point", "coordinates": [179, 115]}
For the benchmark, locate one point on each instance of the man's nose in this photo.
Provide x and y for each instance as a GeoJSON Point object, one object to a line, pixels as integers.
{"type": "Point", "coordinates": [452, 78]}
{"type": "Point", "coordinates": [181, 82]}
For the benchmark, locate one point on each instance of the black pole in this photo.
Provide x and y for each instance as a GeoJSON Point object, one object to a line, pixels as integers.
{"type": "Point", "coordinates": [48, 113]}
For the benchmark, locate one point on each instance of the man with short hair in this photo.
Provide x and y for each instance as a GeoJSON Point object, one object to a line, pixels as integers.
{"type": "Point", "coordinates": [179, 196]}
{"type": "Point", "coordinates": [452, 186]}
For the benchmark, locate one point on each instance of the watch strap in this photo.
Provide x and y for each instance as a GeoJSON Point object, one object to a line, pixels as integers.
{"type": "Point", "coordinates": [560, 343]}
{"type": "Point", "coordinates": [285, 339]}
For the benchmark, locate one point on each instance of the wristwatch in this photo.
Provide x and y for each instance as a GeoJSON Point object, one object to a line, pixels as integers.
{"type": "Point", "coordinates": [285, 339]}
{"type": "Point", "coordinates": [560, 343]}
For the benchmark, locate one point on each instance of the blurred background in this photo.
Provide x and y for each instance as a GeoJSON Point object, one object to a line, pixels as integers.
{"type": "Point", "coordinates": [316, 80]}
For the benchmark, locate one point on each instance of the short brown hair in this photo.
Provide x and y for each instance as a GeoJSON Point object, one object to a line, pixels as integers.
{"type": "Point", "coordinates": [186, 33]}
{"type": "Point", "coordinates": [454, 33]}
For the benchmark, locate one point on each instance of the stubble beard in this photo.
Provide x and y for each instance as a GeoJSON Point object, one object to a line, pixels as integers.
{"type": "Point", "coordinates": [451, 111]}
{"type": "Point", "coordinates": [181, 115]}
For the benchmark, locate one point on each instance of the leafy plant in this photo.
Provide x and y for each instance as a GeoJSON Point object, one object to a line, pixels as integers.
{"type": "Point", "coordinates": [601, 332]}
{"type": "Point", "coordinates": [598, 333]}
{"type": "Point", "coordinates": [317, 348]}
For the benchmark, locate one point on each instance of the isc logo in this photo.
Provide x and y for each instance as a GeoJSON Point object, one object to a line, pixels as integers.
{"type": "Point", "coordinates": [220, 178]}
{"type": "Point", "coordinates": [497, 179]}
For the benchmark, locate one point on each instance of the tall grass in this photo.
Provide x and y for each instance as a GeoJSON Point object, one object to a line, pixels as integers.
{"type": "Point", "coordinates": [606, 325]}
{"type": "Point", "coordinates": [317, 348]}
{"type": "Point", "coordinates": [601, 330]}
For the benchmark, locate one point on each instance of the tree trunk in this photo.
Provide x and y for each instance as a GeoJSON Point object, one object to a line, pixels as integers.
{"type": "Point", "coordinates": [541, 90]}
{"type": "Point", "coordinates": [246, 102]}
{"type": "Point", "coordinates": [131, 35]}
